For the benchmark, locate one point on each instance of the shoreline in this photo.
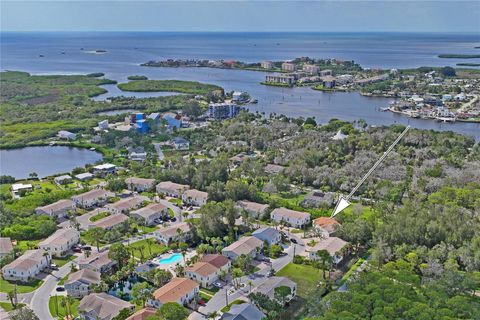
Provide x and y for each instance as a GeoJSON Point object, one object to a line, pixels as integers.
{"type": "Point", "coordinates": [438, 119]}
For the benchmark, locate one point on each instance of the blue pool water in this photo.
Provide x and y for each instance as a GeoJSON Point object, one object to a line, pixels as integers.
{"type": "Point", "coordinates": [171, 259]}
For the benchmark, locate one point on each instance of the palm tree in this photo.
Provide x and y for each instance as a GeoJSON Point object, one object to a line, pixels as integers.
{"type": "Point", "coordinates": [149, 243]}
{"type": "Point", "coordinates": [325, 259]}
{"type": "Point", "coordinates": [179, 232]}
{"type": "Point", "coordinates": [250, 284]}
{"type": "Point", "coordinates": [140, 249]}
{"type": "Point", "coordinates": [96, 234]}
{"type": "Point", "coordinates": [11, 297]}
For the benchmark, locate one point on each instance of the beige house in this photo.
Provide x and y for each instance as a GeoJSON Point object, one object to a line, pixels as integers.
{"type": "Point", "coordinates": [92, 198]}
{"type": "Point", "coordinates": [173, 233]}
{"type": "Point", "coordinates": [140, 184]}
{"type": "Point", "coordinates": [57, 209]}
{"type": "Point", "coordinates": [109, 222]}
{"type": "Point", "coordinates": [194, 197]}
{"type": "Point", "coordinates": [102, 306]}
{"type": "Point", "coordinates": [125, 205]}
{"type": "Point", "coordinates": [27, 266]}
{"type": "Point", "coordinates": [179, 290]}
{"type": "Point", "coordinates": [150, 213]}
{"type": "Point", "coordinates": [297, 219]}
{"type": "Point", "coordinates": [253, 208]}
{"type": "Point", "coordinates": [268, 287]}
{"type": "Point", "coordinates": [208, 269]}
{"type": "Point", "coordinates": [333, 245]}
{"type": "Point", "coordinates": [249, 246]}
{"type": "Point", "coordinates": [80, 283]}
{"type": "Point", "coordinates": [288, 66]}
{"type": "Point", "coordinates": [6, 247]}
{"type": "Point", "coordinates": [59, 243]}
{"type": "Point", "coordinates": [98, 261]}
{"type": "Point", "coordinates": [171, 189]}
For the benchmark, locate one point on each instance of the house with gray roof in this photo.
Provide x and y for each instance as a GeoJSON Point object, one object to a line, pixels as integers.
{"type": "Point", "coordinates": [244, 311]}
{"type": "Point", "coordinates": [102, 306]}
{"type": "Point", "coordinates": [268, 287]}
{"type": "Point", "coordinates": [80, 283]}
{"type": "Point", "coordinates": [268, 234]}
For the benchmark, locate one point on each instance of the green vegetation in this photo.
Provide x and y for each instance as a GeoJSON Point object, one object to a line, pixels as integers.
{"type": "Point", "coordinates": [61, 261]}
{"type": "Point", "coordinates": [60, 306]}
{"type": "Point", "coordinates": [466, 64]}
{"type": "Point", "coordinates": [459, 56]}
{"type": "Point", "coordinates": [189, 87]}
{"type": "Point", "coordinates": [137, 78]}
{"type": "Point", "coordinates": [7, 286]}
{"type": "Point", "coordinates": [275, 84]}
{"type": "Point", "coordinates": [306, 277]}
{"type": "Point", "coordinates": [7, 306]}
{"type": "Point", "coordinates": [99, 216]}
{"type": "Point", "coordinates": [147, 249]}
{"type": "Point", "coordinates": [234, 302]}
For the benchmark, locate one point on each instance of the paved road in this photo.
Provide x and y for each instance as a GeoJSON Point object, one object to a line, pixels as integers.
{"type": "Point", "coordinates": [218, 301]}
{"type": "Point", "coordinates": [40, 298]}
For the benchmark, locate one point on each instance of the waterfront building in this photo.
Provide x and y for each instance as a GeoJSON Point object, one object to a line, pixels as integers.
{"type": "Point", "coordinates": [288, 66]}
{"type": "Point", "coordinates": [223, 110]}
{"type": "Point", "coordinates": [66, 135]}
{"type": "Point", "coordinates": [311, 68]}
{"type": "Point", "coordinates": [266, 64]}
{"type": "Point", "coordinates": [280, 78]}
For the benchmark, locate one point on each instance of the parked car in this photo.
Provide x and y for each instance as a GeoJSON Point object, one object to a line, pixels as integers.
{"type": "Point", "coordinates": [77, 249]}
{"type": "Point", "coordinates": [218, 284]}
{"type": "Point", "coordinates": [53, 266]}
{"type": "Point", "coordinates": [174, 219]}
{"type": "Point", "coordinates": [60, 289]}
{"type": "Point", "coordinates": [88, 248]}
{"type": "Point", "coordinates": [293, 240]}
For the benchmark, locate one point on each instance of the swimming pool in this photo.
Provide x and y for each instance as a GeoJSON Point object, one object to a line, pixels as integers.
{"type": "Point", "coordinates": [171, 259]}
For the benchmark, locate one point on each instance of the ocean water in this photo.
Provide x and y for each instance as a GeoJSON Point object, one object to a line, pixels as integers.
{"type": "Point", "coordinates": [62, 54]}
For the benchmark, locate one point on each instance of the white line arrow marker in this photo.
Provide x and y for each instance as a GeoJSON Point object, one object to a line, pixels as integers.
{"type": "Point", "coordinates": [344, 201]}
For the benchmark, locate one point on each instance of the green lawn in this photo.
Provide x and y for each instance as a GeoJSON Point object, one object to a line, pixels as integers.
{"type": "Point", "coordinates": [7, 306]}
{"type": "Point", "coordinates": [227, 307]}
{"type": "Point", "coordinates": [23, 245]}
{"type": "Point", "coordinates": [60, 262]}
{"type": "Point", "coordinates": [147, 229]}
{"type": "Point", "coordinates": [176, 201]}
{"type": "Point", "coordinates": [6, 286]}
{"type": "Point", "coordinates": [306, 277]}
{"type": "Point", "coordinates": [99, 216]}
{"type": "Point", "coordinates": [204, 296]}
{"type": "Point", "coordinates": [57, 308]}
{"type": "Point", "coordinates": [155, 248]}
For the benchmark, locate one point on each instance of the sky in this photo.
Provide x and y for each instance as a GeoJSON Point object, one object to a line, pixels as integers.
{"type": "Point", "coordinates": [241, 16]}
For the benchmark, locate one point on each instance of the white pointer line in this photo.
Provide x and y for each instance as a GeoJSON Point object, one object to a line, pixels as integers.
{"type": "Point", "coordinates": [343, 203]}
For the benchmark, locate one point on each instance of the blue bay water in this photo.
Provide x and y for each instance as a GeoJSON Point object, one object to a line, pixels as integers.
{"type": "Point", "coordinates": [62, 54]}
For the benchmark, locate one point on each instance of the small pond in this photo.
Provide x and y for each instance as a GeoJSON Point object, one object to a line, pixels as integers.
{"type": "Point", "coordinates": [44, 160]}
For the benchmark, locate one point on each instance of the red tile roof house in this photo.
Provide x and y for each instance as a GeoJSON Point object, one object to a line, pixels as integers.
{"type": "Point", "coordinates": [330, 225]}
{"type": "Point", "coordinates": [102, 306]}
{"type": "Point", "coordinates": [150, 213]}
{"type": "Point", "coordinates": [293, 218]}
{"type": "Point", "coordinates": [179, 290]}
{"type": "Point", "coordinates": [208, 269]}
{"type": "Point", "coordinates": [195, 197]}
{"type": "Point", "coordinates": [140, 184]}
{"type": "Point", "coordinates": [171, 189]}
{"type": "Point", "coordinates": [143, 314]}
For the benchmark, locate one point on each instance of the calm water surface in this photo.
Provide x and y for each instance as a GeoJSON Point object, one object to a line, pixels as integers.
{"type": "Point", "coordinates": [45, 160]}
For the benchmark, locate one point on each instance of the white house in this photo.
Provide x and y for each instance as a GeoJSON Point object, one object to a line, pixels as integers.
{"type": "Point", "coordinates": [18, 188]}
{"type": "Point", "coordinates": [194, 197]}
{"type": "Point", "coordinates": [102, 306]}
{"type": "Point", "coordinates": [57, 209]}
{"type": "Point", "coordinates": [253, 208]}
{"type": "Point", "coordinates": [97, 261]}
{"type": "Point", "coordinates": [104, 169]}
{"type": "Point", "coordinates": [64, 179]}
{"type": "Point", "coordinates": [66, 135]}
{"type": "Point", "coordinates": [84, 176]}
{"type": "Point", "coordinates": [293, 218]}
{"type": "Point", "coordinates": [151, 213]}
{"type": "Point", "coordinates": [80, 283]}
{"type": "Point", "coordinates": [28, 266]}
{"type": "Point", "coordinates": [125, 205]}
{"type": "Point", "coordinates": [333, 245]}
{"type": "Point", "coordinates": [59, 243]}
{"type": "Point", "coordinates": [92, 198]}
{"type": "Point", "coordinates": [207, 271]}
{"type": "Point", "coordinates": [140, 184]}
{"type": "Point", "coordinates": [180, 143]}
{"type": "Point", "coordinates": [171, 189]}
{"type": "Point", "coordinates": [173, 233]}
{"type": "Point", "coordinates": [179, 290]}
{"type": "Point", "coordinates": [249, 246]}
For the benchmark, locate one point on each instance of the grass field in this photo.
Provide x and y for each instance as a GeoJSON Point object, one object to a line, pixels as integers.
{"type": "Point", "coordinates": [99, 216]}
{"type": "Point", "coordinates": [155, 248]}
{"type": "Point", "coordinates": [59, 309]}
{"type": "Point", "coordinates": [7, 306]}
{"type": "Point", "coordinates": [60, 262]}
{"type": "Point", "coordinates": [6, 286]}
{"type": "Point", "coordinates": [306, 277]}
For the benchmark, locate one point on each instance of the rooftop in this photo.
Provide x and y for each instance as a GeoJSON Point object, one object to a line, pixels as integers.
{"type": "Point", "coordinates": [135, 180]}
{"type": "Point", "coordinates": [60, 237]}
{"type": "Point", "coordinates": [5, 245]}
{"type": "Point", "coordinates": [194, 193]}
{"type": "Point", "coordinates": [169, 185]}
{"type": "Point", "coordinates": [86, 276]}
{"type": "Point", "coordinates": [202, 268]}
{"type": "Point", "coordinates": [59, 205]}
{"type": "Point", "coordinates": [171, 230]}
{"type": "Point", "coordinates": [244, 245]}
{"type": "Point", "coordinates": [111, 221]}
{"type": "Point", "coordinates": [27, 261]}
{"type": "Point", "coordinates": [284, 212]}
{"type": "Point", "coordinates": [215, 259]}
{"type": "Point", "coordinates": [149, 210]}
{"type": "Point", "coordinates": [331, 244]}
{"type": "Point", "coordinates": [104, 305]}
{"type": "Point", "coordinates": [174, 290]}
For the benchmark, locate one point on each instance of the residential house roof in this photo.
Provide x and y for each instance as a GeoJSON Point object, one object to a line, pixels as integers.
{"type": "Point", "coordinates": [28, 260]}
{"type": "Point", "coordinates": [178, 140]}
{"type": "Point", "coordinates": [96, 260]}
{"type": "Point", "coordinates": [331, 244]}
{"type": "Point", "coordinates": [85, 276]}
{"type": "Point", "coordinates": [150, 210]}
{"type": "Point", "coordinates": [326, 223]}
{"type": "Point", "coordinates": [139, 181]}
{"type": "Point", "coordinates": [252, 206]}
{"type": "Point", "coordinates": [111, 221]}
{"type": "Point", "coordinates": [104, 166]}
{"type": "Point", "coordinates": [194, 193]}
{"type": "Point", "coordinates": [92, 194]}
{"type": "Point", "coordinates": [268, 287]}
{"type": "Point", "coordinates": [244, 245]}
{"type": "Point", "coordinates": [267, 232]}
{"type": "Point", "coordinates": [174, 290]}
{"type": "Point", "coordinates": [104, 305]}
{"type": "Point", "coordinates": [60, 237]}
{"type": "Point", "coordinates": [128, 203]}
{"type": "Point", "coordinates": [273, 168]}
{"type": "Point", "coordinates": [215, 259]}
{"type": "Point", "coordinates": [56, 206]}
{"type": "Point", "coordinates": [204, 269]}
{"type": "Point", "coordinates": [172, 186]}
{"type": "Point", "coordinates": [5, 245]}
{"type": "Point", "coordinates": [244, 311]}
{"type": "Point", "coordinates": [284, 212]}
{"type": "Point", "coordinates": [85, 175]}
{"type": "Point", "coordinates": [142, 314]}
{"type": "Point", "coordinates": [171, 230]}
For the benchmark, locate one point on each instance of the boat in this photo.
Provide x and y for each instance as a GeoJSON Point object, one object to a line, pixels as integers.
{"type": "Point", "coordinates": [254, 101]}
{"type": "Point", "coordinates": [41, 55]}
{"type": "Point", "coordinates": [384, 109]}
